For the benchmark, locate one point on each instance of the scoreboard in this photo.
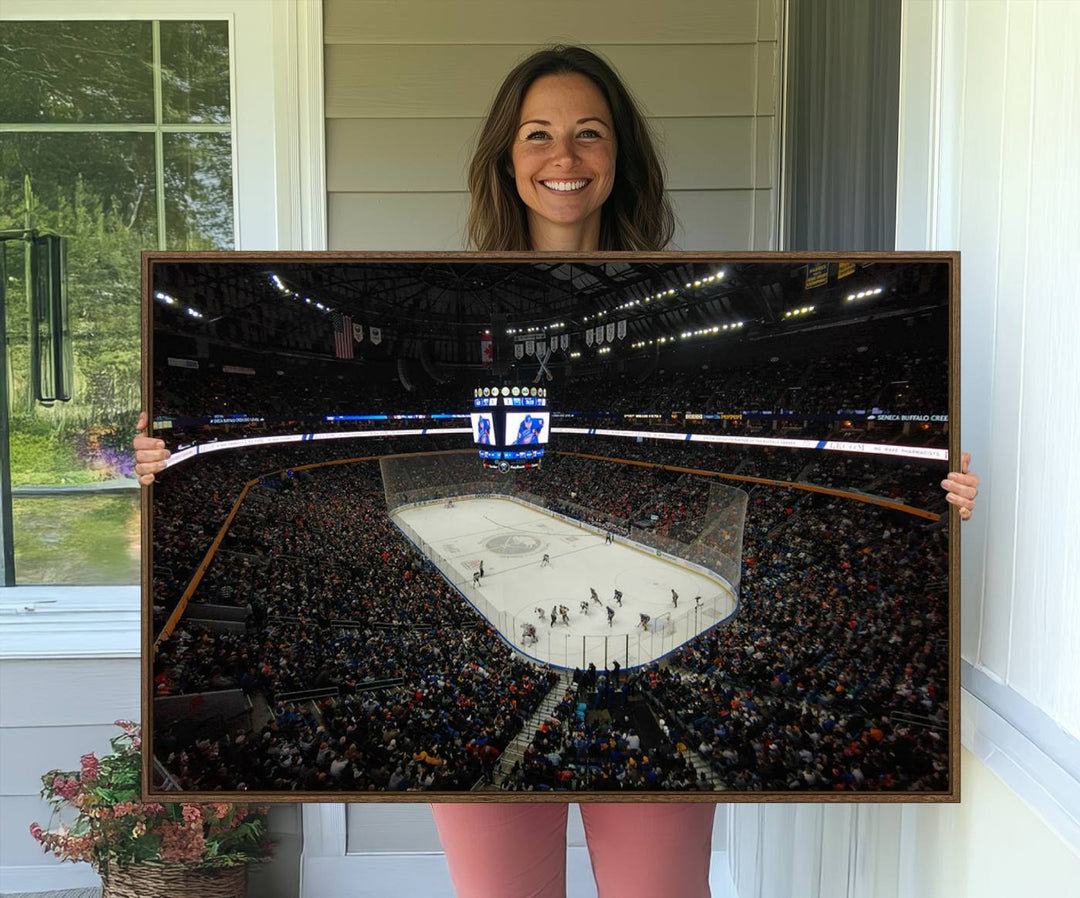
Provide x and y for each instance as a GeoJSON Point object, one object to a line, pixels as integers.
{"type": "Point", "coordinates": [510, 426]}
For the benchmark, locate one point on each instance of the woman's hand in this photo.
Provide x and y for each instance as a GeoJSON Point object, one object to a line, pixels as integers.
{"type": "Point", "coordinates": [150, 454]}
{"type": "Point", "coordinates": [962, 487]}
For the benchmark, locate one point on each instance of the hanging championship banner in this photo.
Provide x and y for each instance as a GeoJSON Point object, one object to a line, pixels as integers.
{"type": "Point", "coordinates": [519, 350]}
{"type": "Point", "coordinates": [589, 337]}
{"type": "Point", "coordinates": [358, 332]}
{"type": "Point", "coordinates": [554, 343]}
{"type": "Point", "coordinates": [600, 333]}
{"type": "Point", "coordinates": [376, 335]}
{"type": "Point", "coordinates": [622, 329]}
{"type": "Point", "coordinates": [530, 347]}
{"type": "Point", "coordinates": [564, 342]}
{"type": "Point", "coordinates": [487, 355]}
{"type": "Point", "coordinates": [816, 275]}
{"type": "Point", "coordinates": [843, 269]}
{"type": "Point", "coordinates": [611, 332]}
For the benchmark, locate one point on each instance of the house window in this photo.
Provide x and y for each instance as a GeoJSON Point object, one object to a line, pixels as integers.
{"type": "Point", "coordinates": [117, 135]}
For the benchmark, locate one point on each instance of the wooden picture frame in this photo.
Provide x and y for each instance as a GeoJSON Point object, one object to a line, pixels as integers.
{"type": "Point", "coordinates": [765, 432]}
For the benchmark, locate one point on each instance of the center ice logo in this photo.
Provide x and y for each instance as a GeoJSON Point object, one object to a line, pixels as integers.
{"type": "Point", "coordinates": [513, 544]}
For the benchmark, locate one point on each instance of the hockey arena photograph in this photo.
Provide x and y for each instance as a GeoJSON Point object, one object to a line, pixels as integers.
{"type": "Point", "coordinates": [609, 527]}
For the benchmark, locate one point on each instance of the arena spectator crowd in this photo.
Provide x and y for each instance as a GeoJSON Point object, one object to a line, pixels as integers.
{"type": "Point", "coordinates": [832, 675]}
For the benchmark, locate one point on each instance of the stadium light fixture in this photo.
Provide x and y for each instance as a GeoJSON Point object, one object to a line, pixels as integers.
{"type": "Point", "coordinates": [862, 294]}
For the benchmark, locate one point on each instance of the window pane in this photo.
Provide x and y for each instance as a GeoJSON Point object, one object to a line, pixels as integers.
{"type": "Point", "coordinates": [76, 72]}
{"type": "Point", "coordinates": [80, 540]}
{"type": "Point", "coordinates": [98, 191]}
{"type": "Point", "coordinates": [81, 184]}
{"type": "Point", "coordinates": [195, 71]}
{"type": "Point", "coordinates": [198, 192]}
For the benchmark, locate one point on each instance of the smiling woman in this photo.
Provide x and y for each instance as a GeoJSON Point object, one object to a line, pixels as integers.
{"type": "Point", "coordinates": [563, 160]}
{"type": "Point", "coordinates": [563, 116]}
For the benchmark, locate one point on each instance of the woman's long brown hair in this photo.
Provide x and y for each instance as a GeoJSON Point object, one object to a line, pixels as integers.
{"type": "Point", "coordinates": [637, 214]}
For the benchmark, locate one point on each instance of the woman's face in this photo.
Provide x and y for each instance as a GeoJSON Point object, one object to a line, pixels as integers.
{"type": "Point", "coordinates": [563, 161]}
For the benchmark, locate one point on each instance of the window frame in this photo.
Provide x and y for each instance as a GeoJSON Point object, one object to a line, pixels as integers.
{"type": "Point", "coordinates": [277, 140]}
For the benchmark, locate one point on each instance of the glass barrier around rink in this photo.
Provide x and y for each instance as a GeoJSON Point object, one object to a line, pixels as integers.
{"type": "Point", "coordinates": [716, 547]}
{"type": "Point", "coordinates": [553, 644]}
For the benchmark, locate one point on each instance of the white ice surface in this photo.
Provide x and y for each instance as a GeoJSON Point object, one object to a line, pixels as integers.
{"type": "Point", "coordinates": [511, 540]}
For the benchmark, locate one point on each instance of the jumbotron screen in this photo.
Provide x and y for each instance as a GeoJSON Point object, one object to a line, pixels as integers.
{"type": "Point", "coordinates": [514, 422]}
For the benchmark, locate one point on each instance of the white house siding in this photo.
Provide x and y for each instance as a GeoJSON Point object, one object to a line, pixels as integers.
{"type": "Point", "coordinates": [408, 83]}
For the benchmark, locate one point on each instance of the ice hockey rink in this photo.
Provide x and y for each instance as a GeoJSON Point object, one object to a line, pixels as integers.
{"type": "Point", "coordinates": [511, 538]}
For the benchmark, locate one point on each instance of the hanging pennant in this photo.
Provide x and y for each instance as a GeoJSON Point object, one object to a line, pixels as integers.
{"type": "Point", "coordinates": [589, 337]}
{"type": "Point", "coordinates": [622, 329]}
{"type": "Point", "coordinates": [376, 335]}
{"type": "Point", "coordinates": [530, 347]}
{"type": "Point", "coordinates": [564, 342]}
{"type": "Point", "coordinates": [358, 332]}
{"type": "Point", "coordinates": [519, 350]}
{"type": "Point", "coordinates": [487, 355]}
{"type": "Point", "coordinates": [611, 332]}
{"type": "Point", "coordinates": [600, 333]}
{"type": "Point", "coordinates": [554, 342]}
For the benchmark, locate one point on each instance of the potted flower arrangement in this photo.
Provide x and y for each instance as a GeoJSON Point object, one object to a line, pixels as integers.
{"type": "Point", "coordinates": [168, 850]}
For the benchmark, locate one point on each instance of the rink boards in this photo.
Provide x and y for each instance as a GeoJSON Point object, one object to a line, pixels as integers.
{"type": "Point", "coordinates": [511, 536]}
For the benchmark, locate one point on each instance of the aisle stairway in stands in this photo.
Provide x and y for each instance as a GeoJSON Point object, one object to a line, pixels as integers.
{"type": "Point", "coordinates": [515, 751]}
{"type": "Point", "coordinates": [642, 713]}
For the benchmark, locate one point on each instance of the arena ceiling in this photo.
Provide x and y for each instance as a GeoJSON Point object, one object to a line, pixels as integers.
{"type": "Point", "coordinates": [437, 309]}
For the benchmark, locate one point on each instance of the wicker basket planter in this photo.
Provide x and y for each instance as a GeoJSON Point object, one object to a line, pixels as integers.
{"type": "Point", "coordinates": [174, 881]}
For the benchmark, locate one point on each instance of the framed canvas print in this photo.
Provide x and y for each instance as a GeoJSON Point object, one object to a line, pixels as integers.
{"type": "Point", "coordinates": [597, 527]}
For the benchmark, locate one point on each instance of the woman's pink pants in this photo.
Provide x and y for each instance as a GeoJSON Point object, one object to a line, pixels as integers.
{"type": "Point", "coordinates": [519, 850]}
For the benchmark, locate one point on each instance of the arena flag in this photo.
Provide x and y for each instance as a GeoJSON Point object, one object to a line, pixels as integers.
{"type": "Point", "coordinates": [599, 334]}
{"type": "Point", "coordinates": [589, 337]}
{"type": "Point", "coordinates": [564, 342]}
{"type": "Point", "coordinates": [530, 347]}
{"type": "Point", "coordinates": [611, 332]}
{"type": "Point", "coordinates": [816, 275]}
{"type": "Point", "coordinates": [358, 332]}
{"type": "Point", "coordinates": [622, 329]}
{"type": "Point", "coordinates": [376, 335]}
{"type": "Point", "coordinates": [553, 344]}
{"type": "Point", "coordinates": [519, 350]}
{"type": "Point", "coordinates": [486, 353]}
{"type": "Point", "coordinates": [342, 336]}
